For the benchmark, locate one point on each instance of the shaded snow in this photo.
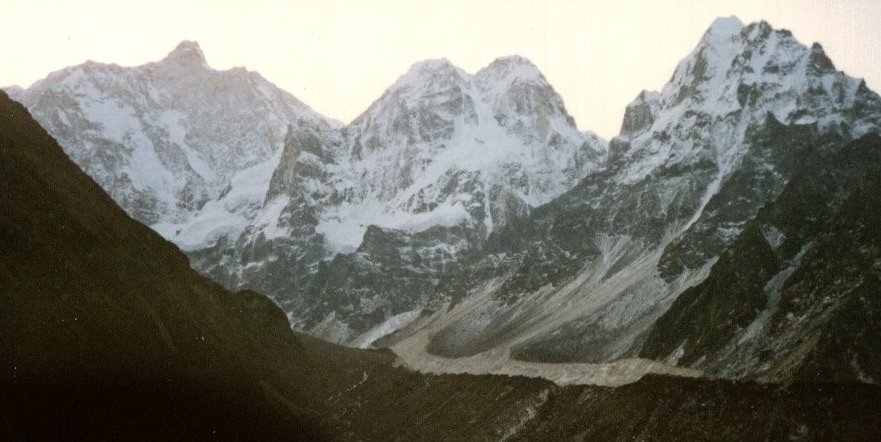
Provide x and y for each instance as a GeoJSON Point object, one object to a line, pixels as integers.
{"type": "Point", "coordinates": [440, 135]}
{"type": "Point", "coordinates": [344, 225]}
{"type": "Point", "coordinates": [161, 133]}
{"type": "Point", "coordinates": [230, 214]}
{"type": "Point", "coordinates": [759, 327]}
{"type": "Point", "coordinates": [390, 325]}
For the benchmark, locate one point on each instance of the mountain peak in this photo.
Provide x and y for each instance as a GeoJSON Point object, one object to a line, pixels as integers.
{"type": "Point", "coordinates": [15, 91]}
{"type": "Point", "coordinates": [725, 26]}
{"type": "Point", "coordinates": [512, 61]}
{"type": "Point", "coordinates": [186, 53]}
{"type": "Point", "coordinates": [431, 65]}
{"type": "Point", "coordinates": [430, 73]}
{"type": "Point", "coordinates": [511, 67]}
{"type": "Point", "coordinates": [819, 61]}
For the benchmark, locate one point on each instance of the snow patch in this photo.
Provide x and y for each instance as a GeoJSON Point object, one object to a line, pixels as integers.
{"type": "Point", "coordinates": [759, 327]}
{"type": "Point", "coordinates": [268, 219]}
{"type": "Point", "coordinates": [390, 325]}
{"type": "Point", "coordinates": [529, 413]}
{"type": "Point", "coordinates": [229, 215]}
{"type": "Point", "coordinates": [773, 235]}
{"type": "Point", "coordinates": [343, 226]}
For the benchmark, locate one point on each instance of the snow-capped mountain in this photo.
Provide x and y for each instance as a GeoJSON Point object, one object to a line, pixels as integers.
{"type": "Point", "coordinates": [185, 149]}
{"type": "Point", "coordinates": [432, 167]}
{"type": "Point", "coordinates": [106, 330]}
{"type": "Point", "coordinates": [442, 147]}
{"type": "Point", "coordinates": [584, 277]}
{"type": "Point", "coordinates": [464, 216]}
{"type": "Point", "coordinates": [263, 193]}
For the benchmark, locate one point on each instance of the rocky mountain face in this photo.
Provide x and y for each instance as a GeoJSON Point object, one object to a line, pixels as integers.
{"type": "Point", "coordinates": [263, 193]}
{"type": "Point", "coordinates": [108, 335]}
{"type": "Point", "coordinates": [406, 191]}
{"type": "Point", "coordinates": [584, 277]}
{"type": "Point", "coordinates": [796, 295]}
{"type": "Point", "coordinates": [185, 149]}
{"type": "Point", "coordinates": [464, 216]}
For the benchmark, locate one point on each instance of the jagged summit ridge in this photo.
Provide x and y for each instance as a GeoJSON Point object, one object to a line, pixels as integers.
{"type": "Point", "coordinates": [438, 122]}
{"type": "Point", "coordinates": [187, 53]}
{"type": "Point", "coordinates": [370, 221]}
{"type": "Point", "coordinates": [437, 163]}
{"type": "Point", "coordinates": [423, 77]}
{"type": "Point", "coordinates": [432, 66]}
{"type": "Point", "coordinates": [693, 163]}
{"type": "Point", "coordinates": [509, 69]}
{"type": "Point", "coordinates": [192, 163]}
{"type": "Point", "coordinates": [723, 27]}
{"type": "Point", "coordinates": [734, 78]}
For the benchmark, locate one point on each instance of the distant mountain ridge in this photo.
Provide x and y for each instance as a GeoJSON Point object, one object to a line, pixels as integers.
{"type": "Point", "coordinates": [585, 277]}
{"type": "Point", "coordinates": [466, 154]}
{"type": "Point", "coordinates": [184, 148]}
{"type": "Point", "coordinates": [465, 217]}
{"type": "Point", "coordinates": [260, 189]}
{"type": "Point", "coordinates": [109, 335]}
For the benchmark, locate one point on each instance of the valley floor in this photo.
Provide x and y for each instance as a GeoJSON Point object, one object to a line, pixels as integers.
{"type": "Point", "coordinates": [412, 354]}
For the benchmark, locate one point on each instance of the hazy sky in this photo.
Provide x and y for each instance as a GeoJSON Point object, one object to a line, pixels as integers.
{"type": "Point", "coordinates": [339, 56]}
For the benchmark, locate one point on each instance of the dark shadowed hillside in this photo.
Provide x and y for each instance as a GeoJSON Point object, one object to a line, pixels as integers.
{"type": "Point", "coordinates": [106, 332]}
{"type": "Point", "coordinates": [797, 294]}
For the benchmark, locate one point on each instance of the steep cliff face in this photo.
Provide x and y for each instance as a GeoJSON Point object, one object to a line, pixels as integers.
{"type": "Point", "coordinates": [183, 148]}
{"type": "Point", "coordinates": [406, 191]}
{"type": "Point", "coordinates": [795, 296]}
{"type": "Point", "coordinates": [584, 276]}
{"type": "Point", "coordinates": [259, 190]}
{"type": "Point", "coordinates": [468, 211]}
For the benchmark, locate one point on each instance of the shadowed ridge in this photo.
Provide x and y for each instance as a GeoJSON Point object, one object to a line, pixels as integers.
{"type": "Point", "coordinates": [107, 334]}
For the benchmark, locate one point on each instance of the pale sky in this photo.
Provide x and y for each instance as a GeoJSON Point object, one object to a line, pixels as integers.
{"type": "Point", "coordinates": [339, 56]}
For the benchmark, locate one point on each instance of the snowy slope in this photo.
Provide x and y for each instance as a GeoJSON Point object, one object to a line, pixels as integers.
{"type": "Point", "coordinates": [184, 148]}
{"type": "Point", "coordinates": [584, 277]}
{"type": "Point", "coordinates": [442, 147]}
{"type": "Point", "coordinates": [732, 80]}
{"type": "Point", "coordinates": [260, 190]}
{"type": "Point", "coordinates": [436, 164]}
